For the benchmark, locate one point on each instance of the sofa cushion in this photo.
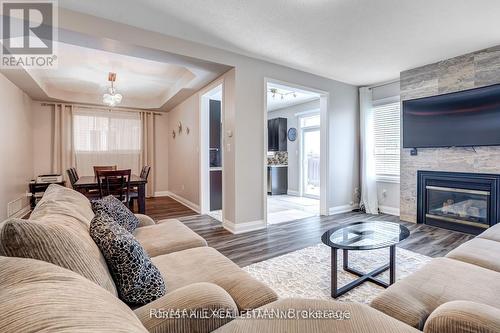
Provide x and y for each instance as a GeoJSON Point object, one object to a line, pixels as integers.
{"type": "Point", "coordinates": [137, 279]}
{"type": "Point", "coordinates": [205, 264]}
{"type": "Point", "coordinates": [41, 297]}
{"type": "Point", "coordinates": [478, 251]}
{"type": "Point", "coordinates": [166, 237]}
{"type": "Point", "coordinates": [492, 233]}
{"type": "Point", "coordinates": [58, 245]}
{"type": "Point", "coordinates": [351, 317]}
{"type": "Point", "coordinates": [64, 206]}
{"type": "Point", "coordinates": [414, 298]}
{"type": "Point", "coordinates": [116, 210]}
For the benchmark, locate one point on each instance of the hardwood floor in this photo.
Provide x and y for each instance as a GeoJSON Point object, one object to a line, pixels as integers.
{"type": "Point", "coordinates": [162, 208]}
{"type": "Point", "coordinates": [279, 239]}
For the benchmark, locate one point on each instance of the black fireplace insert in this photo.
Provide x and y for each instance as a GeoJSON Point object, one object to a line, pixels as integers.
{"type": "Point", "coordinates": [465, 202]}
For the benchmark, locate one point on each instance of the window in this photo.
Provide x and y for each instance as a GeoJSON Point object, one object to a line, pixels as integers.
{"type": "Point", "coordinates": [387, 137]}
{"type": "Point", "coordinates": [106, 138]}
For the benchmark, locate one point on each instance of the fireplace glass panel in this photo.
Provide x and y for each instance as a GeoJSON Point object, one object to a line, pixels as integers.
{"type": "Point", "coordinates": [457, 205]}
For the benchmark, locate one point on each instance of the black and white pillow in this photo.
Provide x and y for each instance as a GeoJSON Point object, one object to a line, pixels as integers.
{"type": "Point", "coordinates": [137, 279]}
{"type": "Point", "coordinates": [117, 211]}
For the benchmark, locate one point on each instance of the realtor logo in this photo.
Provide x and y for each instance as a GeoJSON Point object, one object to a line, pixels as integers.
{"type": "Point", "coordinates": [28, 34]}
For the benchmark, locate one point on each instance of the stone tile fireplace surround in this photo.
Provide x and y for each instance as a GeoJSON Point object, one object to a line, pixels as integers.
{"type": "Point", "coordinates": [473, 70]}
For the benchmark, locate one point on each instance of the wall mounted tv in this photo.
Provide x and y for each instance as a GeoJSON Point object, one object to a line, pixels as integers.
{"type": "Point", "coordinates": [462, 119]}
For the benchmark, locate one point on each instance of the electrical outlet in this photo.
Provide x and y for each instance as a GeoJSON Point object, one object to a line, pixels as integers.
{"type": "Point", "coordinates": [183, 187]}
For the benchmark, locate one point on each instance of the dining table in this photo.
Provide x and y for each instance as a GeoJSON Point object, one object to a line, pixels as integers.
{"type": "Point", "coordinates": [85, 183]}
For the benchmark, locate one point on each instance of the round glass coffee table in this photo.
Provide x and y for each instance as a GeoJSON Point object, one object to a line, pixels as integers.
{"type": "Point", "coordinates": [358, 236]}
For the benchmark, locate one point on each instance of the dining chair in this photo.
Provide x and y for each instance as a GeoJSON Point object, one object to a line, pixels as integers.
{"type": "Point", "coordinates": [134, 194]}
{"type": "Point", "coordinates": [72, 175]}
{"type": "Point", "coordinates": [116, 183]}
{"type": "Point", "coordinates": [104, 168]}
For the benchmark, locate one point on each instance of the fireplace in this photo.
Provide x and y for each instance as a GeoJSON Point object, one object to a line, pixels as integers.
{"type": "Point", "coordinates": [465, 202]}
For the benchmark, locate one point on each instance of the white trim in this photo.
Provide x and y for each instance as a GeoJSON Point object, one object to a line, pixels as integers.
{"type": "Point", "coordinates": [294, 193]}
{"type": "Point", "coordinates": [239, 228]}
{"type": "Point", "coordinates": [343, 209]}
{"type": "Point", "coordinates": [21, 213]}
{"type": "Point", "coordinates": [179, 199]}
{"type": "Point", "coordinates": [389, 210]}
{"type": "Point", "coordinates": [307, 113]}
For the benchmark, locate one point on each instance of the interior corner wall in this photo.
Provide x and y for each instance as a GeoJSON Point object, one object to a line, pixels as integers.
{"type": "Point", "coordinates": [247, 118]}
{"type": "Point", "coordinates": [16, 135]}
{"type": "Point", "coordinates": [473, 70]}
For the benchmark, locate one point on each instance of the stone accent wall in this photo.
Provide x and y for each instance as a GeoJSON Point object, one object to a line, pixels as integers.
{"type": "Point", "coordinates": [473, 70]}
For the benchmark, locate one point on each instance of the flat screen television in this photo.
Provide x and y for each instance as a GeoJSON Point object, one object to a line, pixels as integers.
{"type": "Point", "coordinates": [462, 119]}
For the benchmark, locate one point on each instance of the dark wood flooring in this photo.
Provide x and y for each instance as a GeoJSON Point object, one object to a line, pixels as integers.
{"type": "Point", "coordinates": [279, 239]}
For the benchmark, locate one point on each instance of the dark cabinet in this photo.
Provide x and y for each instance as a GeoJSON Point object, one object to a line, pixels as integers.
{"type": "Point", "coordinates": [215, 190]}
{"type": "Point", "coordinates": [276, 134]}
{"type": "Point", "coordinates": [277, 180]}
{"type": "Point", "coordinates": [215, 133]}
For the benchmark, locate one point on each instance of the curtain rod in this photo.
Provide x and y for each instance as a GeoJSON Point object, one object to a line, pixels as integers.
{"type": "Point", "coordinates": [100, 107]}
{"type": "Point", "coordinates": [383, 83]}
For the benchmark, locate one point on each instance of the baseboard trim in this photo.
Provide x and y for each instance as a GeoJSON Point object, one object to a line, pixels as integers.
{"type": "Point", "coordinates": [343, 209]}
{"type": "Point", "coordinates": [294, 193]}
{"type": "Point", "coordinates": [389, 210]}
{"type": "Point", "coordinates": [179, 199]}
{"type": "Point", "coordinates": [21, 213]}
{"type": "Point", "coordinates": [240, 228]}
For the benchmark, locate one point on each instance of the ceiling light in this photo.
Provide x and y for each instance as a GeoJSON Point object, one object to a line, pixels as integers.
{"type": "Point", "coordinates": [275, 91]}
{"type": "Point", "coordinates": [112, 98]}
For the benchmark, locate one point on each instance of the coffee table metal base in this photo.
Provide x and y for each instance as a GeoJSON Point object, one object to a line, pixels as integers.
{"type": "Point", "coordinates": [363, 277]}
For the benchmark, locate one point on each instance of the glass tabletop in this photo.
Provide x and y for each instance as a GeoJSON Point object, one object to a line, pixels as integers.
{"type": "Point", "coordinates": [366, 235]}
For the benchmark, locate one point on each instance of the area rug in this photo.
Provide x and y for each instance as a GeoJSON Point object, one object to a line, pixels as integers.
{"type": "Point", "coordinates": [306, 273]}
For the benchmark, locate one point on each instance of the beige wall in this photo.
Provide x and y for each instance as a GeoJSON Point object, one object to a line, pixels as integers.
{"type": "Point", "coordinates": [42, 142]}
{"type": "Point", "coordinates": [16, 150]}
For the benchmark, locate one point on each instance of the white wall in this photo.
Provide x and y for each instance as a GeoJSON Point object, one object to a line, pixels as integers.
{"type": "Point", "coordinates": [290, 113]}
{"type": "Point", "coordinates": [243, 163]}
{"type": "Point", "coordinates": [16, 150]}
{"type": "Point", "coordinates": [388, 192]}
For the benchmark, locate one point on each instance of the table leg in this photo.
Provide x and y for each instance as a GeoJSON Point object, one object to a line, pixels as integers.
{"type": "Point", "coordinates": [141, 198]}
{"type": "Point", "coordinates": [392, 264]}
{"type": "Point", "coordinates": [334, 272]}
{"type": "Point", "coordinates": [345, 259]}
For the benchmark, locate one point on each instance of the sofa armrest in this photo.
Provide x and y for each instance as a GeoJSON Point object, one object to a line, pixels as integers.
{"type": "Point", "coordinates": [144, 220]}
{"type": "Point", "coordinates": [463, 317]}
{"type": "Point", "coordinates": [174, 311]}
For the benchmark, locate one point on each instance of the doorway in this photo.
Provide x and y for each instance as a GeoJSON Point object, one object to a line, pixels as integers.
{"type": "Point", "coordinates": [211, 152]}
{"type": "Point", "coordinates": [293, 161]}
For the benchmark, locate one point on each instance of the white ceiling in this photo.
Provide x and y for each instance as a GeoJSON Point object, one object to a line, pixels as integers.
{"type": "Point", "coordinates": [81, 76]}
{"type": "Point", "coordinates": [291, 96]}
{"type": "Point", "coordinates": [355, 41]}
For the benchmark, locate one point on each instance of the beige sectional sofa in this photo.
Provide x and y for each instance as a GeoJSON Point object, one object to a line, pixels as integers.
{"type": "Point", "coordinates": [458, 293]}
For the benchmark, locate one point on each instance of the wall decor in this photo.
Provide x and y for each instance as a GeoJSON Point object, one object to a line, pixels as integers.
{"type": "Point", "coordinates": [292, 134]}
{"type": "Point", "coordinates": [187, 130]}
{"type": "Point", "coordinates": [179, 127]}
{"type": "Point", "coordinates": [173, 135]}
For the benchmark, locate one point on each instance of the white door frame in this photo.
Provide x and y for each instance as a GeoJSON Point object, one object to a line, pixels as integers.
{"type": "Point", "coordinates": [301, 158]}
{"type": "Point", "coordinates": [324, 142]}
{"type": "Point", "coordinates": [204, 144]}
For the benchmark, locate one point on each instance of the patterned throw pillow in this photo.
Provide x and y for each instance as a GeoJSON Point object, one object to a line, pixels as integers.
{"type": "Point", "coordinates": [137, 279]}
{"type": "Point", "coordinates": [117, 211]}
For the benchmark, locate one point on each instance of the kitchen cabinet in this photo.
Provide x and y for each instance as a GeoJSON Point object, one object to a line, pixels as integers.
{"type": "Point", "coordinates": [276, 134]}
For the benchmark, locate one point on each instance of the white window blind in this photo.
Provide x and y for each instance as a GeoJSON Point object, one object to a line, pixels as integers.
{"type": "Point", "coordinates": [106, 138]}
{"type": "Point", "coordinates": [387, 139]}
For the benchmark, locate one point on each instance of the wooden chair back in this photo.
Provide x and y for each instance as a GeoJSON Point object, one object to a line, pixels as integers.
{"type": "Point", "coordinates": [116, 183]}
{"type": "Point", "coordinates": [104, 168]}
{"type": "Point", "coordinates": [145, 172]}
{"type": "Point", "coordinates": [73, 175]}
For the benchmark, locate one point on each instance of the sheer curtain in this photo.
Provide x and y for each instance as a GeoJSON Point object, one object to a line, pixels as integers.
{"type": "Point", "coordinates": [107, 138]}
{"type": "Point", "coordinates": [369, 200]}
